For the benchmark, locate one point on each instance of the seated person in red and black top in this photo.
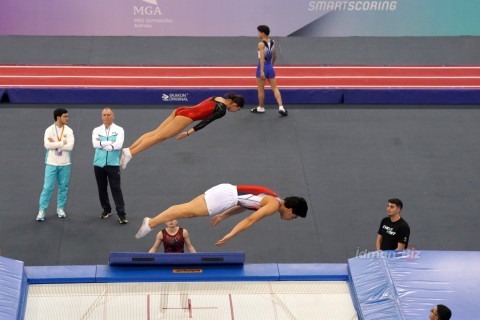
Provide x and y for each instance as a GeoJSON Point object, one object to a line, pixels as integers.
{"type": "Point", "coordinates": [174, 239]}
{"type": "Point", "coordinates": [394, 231]}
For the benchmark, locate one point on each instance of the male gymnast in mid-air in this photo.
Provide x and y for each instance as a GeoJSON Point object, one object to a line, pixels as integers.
{"type": "Point", "coordinates": [225, 200]}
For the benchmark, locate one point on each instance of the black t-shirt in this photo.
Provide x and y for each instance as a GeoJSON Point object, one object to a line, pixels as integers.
{"type": "Point", "coordinates": [393, 232]}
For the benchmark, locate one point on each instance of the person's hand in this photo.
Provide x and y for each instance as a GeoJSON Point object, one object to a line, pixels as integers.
{"type": "Point", "coordinates": [182, 135]}
{"type": "Point", "coordinates": [106, 143]}
{"type": "Point", "coordinates": [216, 220]}
{"type": "Point", "coordinates": [222, 241]}
{"type": "Point", "coordinates": [262, 75]}
{"type": "Point", "coordinates": [50, 139]}
{"type": "Point", "coordinates": [65, 142]}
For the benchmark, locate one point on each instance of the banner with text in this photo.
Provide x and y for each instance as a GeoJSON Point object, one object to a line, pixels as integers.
{"type": "Point", "coordinates": [312, 18]}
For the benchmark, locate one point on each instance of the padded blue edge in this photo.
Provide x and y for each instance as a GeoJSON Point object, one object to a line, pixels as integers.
{"type": "Point", "coordinates": [289, 96]}
{"type": "Point", "coordinates": [247, 272]}
{"type": "Point", "coordinates": [13, 289]}
{"type": "Point", "coordinates": [111, 274]}
{"type": "Point", "coordinates": [61, 274]}
{"type": "Point", "coordinates": [164, 96]}
{"type": "Point", "coordinates": [397, 285]}
{"type": "Point", "coordinates": [372, 289]}
{"type": "Point", "coordinates": [199, 258]}
{"type": "Point", "coordinates": [425, 278]}
{"type": "Point", "coordinates": [313, 272]}
{"type": "Point", "coordinates": [412, 96]}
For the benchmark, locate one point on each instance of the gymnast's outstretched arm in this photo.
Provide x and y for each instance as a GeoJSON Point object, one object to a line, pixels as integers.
{"type": "Point", "coordinates": [268, 206]}
{"type": "Point", "coordinates": [226, 214]}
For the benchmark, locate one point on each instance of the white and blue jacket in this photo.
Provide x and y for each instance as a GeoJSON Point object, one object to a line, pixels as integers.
{"type": "Point", "coordinates": [108, 144]}
{"type": "Point", "coordinates": [60, 137]}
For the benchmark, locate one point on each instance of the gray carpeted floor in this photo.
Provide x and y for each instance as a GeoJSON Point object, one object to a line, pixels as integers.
{"type": "Point", "coordinates": [346, 161]}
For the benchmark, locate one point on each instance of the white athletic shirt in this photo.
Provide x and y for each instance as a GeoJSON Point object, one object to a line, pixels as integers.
{"type": "Point", "coordinates": [251, 201]}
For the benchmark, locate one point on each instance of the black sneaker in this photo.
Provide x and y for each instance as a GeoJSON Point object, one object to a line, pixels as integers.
{"type": "Point", "coordinates": [105, 214]}
{"type": "Point", "coordinates": [283, 112]}
{"type": "Point", "coordinates": [122, 219]}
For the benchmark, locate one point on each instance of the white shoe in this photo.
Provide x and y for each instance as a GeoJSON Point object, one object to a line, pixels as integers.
{"type": "Point", "coordinates": [41, 215]}
{"type": "Point", "coordinates": [61, 213]}
{"type": "Point", "coordinates": [257, 110]}
{"type": "Point", "coordinates": [126, 157]}
{"type": "Point", "coordinates": [144, 229]}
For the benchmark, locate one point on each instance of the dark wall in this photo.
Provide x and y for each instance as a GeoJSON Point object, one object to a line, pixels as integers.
{"type": "Point", "coordinates": [238, 50]}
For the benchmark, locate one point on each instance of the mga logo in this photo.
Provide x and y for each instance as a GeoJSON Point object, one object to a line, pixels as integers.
{"type": "Point", "coordinates": [147, 10]}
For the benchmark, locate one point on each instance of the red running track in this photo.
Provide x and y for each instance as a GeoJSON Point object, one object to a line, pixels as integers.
{"type": "Point", "coordinates": [298, 77]}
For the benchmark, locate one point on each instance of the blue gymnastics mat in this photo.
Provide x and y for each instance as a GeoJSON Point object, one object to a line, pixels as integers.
{"type": "Point", "coordinates": [383, 285]}
{"type": "Point", "coordinates": [160, 96]}
{"type": "Point", "coordinates": [289, 96]}
{"type": "Point", "coordinates": [407, 284]}
{"type": "Point", "coordinates": [13, 289]}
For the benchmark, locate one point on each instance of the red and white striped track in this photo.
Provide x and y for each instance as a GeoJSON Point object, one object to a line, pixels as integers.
{"type": "Point", "coordinates": [242, 77]}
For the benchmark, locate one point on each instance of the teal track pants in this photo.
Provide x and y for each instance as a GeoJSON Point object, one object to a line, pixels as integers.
{"type": "Point", "coordinates": [61, 174]}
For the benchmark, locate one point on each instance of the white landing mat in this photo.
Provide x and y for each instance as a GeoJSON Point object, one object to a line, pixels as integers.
{"type": "Point", "coordinates": [280, 300]}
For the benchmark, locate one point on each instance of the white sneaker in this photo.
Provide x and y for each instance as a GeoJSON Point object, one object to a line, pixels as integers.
{"type": "Point", "coordinates": [144, 229]}
{"type": "Point", "coordinates": [126, 157]}
{"type": "Point", "coordinates": [61, 213]}
{"type": "Point", "coordinates": [257, 110]}
{"type": "Point", "coordinates": [41, 215]}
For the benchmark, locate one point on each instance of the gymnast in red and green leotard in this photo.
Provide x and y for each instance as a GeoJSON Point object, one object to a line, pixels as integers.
{"type": "Point", "coordinates": [207, 111]}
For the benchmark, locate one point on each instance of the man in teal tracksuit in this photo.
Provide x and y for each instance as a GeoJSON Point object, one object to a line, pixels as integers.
{"type": "Point", "coordinates": [107, 140]}
{"type": "Point", "coordinates": [58, 141]}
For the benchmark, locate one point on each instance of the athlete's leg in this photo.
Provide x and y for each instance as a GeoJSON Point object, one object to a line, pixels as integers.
{"type": "Point", "coordinates": [170, 129]}
{"type": "Point", "coordinates": [276, 91]}
{"type": "Point", "coordinates": [278, 96]}
{"type": "Point", "coordinates": [261, 97]}
{"type": "Point", "coordinates": [195, 208]}
{"type": "Point", "coordinates": [152, 133]}
{"type": "Point", "coordinates": [261, 92]}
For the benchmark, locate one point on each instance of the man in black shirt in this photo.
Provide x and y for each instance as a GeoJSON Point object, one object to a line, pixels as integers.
{"type": "Point", "coordinates": [394, 231]}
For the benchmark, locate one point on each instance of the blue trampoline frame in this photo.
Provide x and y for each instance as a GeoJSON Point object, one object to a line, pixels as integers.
{"type": "Point", "coordinates": [383, 285]}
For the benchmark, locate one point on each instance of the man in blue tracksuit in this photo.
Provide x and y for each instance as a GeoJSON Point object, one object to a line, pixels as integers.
{"type": "Point", "coordinates": [107, 140]}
